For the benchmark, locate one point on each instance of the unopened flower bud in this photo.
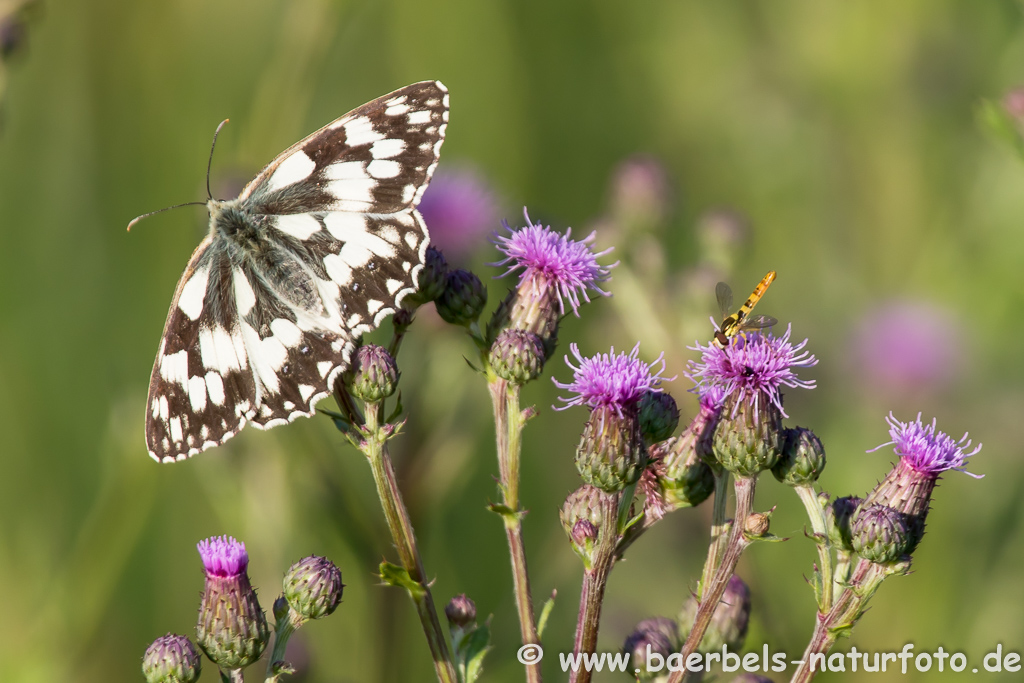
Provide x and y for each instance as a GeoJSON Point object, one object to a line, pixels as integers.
{"type": "Point", "coordinates": [658, 635]}
{"type": "Point", "coordinates": [281, 609]}
{"type": "Point", "coordinates": [232, 628]}
{"type": "Point", "coordinates": [374, 373]}
{"type": "Point", "coordinates": [463, 298]}
{"type": "Point", "coordinates": [802, 460]}
{"type": "Point", "coordinates": [581, 517]}
{"type": "Point", "coordinates": [682, 478]}
{"type": "Point", "coordinates": [837, 519]}
{"type": "Point", "coordinates": [611, 454]}
{"type": "Point", "coordinates": [659, 416]}
{"type": "Point", "coordinates": [517, 356]}
{"type": "Point", "coordinates": [757, 524]}
{"type": "Point", "coordinates": [313, 587]}
{"type": "Point", "coordinates": [431, 279]}
{"type": "Point", "coordinates": [880, 534]}
{"type": "Point", "coordinates": [461, 611]}
{"type": "Point", "coordinates": [748, 439]}
{"type": "Point", "coordinates": [171, 659]}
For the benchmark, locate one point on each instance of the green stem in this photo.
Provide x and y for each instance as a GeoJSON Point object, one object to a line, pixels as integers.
{"type": "Point", "coordinates": [817, 516]}
{"type": "Point", "coordinates": [595, 579]}
{"type": "Point", "coordinates": [719, 530]}
{"type": "Point", "coordinates": [283, 630]}
{"type": "Point", "coordinates": [508, 425]}
{"type": "Point", "coordinates": [711, 594]}
{"type": "Point", "coordinates": [376, 450]}
{"type": "Point", "coordinates": [843, 615]}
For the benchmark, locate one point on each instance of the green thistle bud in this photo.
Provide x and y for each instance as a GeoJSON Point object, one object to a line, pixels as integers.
{"type": "Point", "coordinates": [374, 374]}
{"type": "Point", "coordinates": [232, 628]}
{"type": "Point", "coordinates": [659, 416]}
{"type": "Point", "coordinates": [463, 299]}
{"type": "Point", "coordinates": [729, 623]}
{"type": "Point", "coordinates": [748, 439]}
{"type": "Point", "coordinates": [880, 534]}
{"type": "Point", "coordinates": [430, 281]}
{"type": "Point", "coordinates": [802, 460]}
{"type": "Point", "coordinates": [660, 635]}
{"type": "Point", "coordinates": [837, 519]}
{"type": "Point", "coordinates": [460, 611]}
{"type": "Point", "coordinates": [611, 454]}
{"type": "Point", "coordinates": [171, 659]}
{"type": "Point", "coordinates": [581, 517]}
{"type": "Point", "coordinates": [683, 478]}
{"type": "Point", "coordinates": [313, 587]}
{"type": "Point", "coordinates": [517, 356]}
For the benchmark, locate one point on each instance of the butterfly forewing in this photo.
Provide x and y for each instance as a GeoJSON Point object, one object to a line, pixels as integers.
{"type": "Point", "coordinates": [319, 248]}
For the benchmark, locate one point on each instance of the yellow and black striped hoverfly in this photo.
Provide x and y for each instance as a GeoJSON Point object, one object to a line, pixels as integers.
{"type": "Point", "coordinates": [741, 320]}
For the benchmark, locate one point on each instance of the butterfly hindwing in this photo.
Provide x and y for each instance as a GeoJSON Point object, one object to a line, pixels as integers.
{"type": "Point", "coordinates": [318, 249]}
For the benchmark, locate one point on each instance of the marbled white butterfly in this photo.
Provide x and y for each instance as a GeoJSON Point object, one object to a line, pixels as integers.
{"type": "Point", "coordinates": [319, 248]}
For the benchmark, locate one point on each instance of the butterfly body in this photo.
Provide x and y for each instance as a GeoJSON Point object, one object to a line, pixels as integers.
{"type": "Point", "coordinates": [318, 249]}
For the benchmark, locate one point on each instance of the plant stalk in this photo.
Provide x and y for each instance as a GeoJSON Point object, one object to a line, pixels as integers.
{"type": "Point", "coordinates": [719, 529]}
{"type": "Point", "coordinates": [595, 579]}
{"type": "Point", "coordinates": [817, 516]}
{"type": "Point", "coordinates": [508, 425]}
{"type": "Point", "coordinates": [376, 450]}
{"type": "Point", "coordinates": [712, 593]}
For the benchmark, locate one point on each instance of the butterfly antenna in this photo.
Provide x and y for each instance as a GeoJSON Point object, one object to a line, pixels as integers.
{"type": "Point", "coordinates": [209, 164]}
{"type": "Point", "coordinates": [167, 208]}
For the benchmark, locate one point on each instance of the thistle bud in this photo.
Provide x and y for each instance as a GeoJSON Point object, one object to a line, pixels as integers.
{"type": "Point", "coordinates": [517, 356]}
{"type": "Point", "coordinates": [659, 635]}
{"type": "Point", "coordinates": [611, 453]}
{"type": "Point", "coordinates": [757, 524]}
{"type": "Point", "coordinates": [837, 519]}
{"type": "Point", "coordinates": [374, 374]}
{"type": "Point", "coordinates": [748, 439]}
{"type": "Point", "coordinates": [232, 628]}
{"type": "Point", "coordinates": [581, 517]}
{"type": "Point", "coordinates": [463, 298]}
{"type": "Point", "coordinates": [461, 611]}
{"type": "Point", "coordinates": [751, 678]}
{"type": "Point", "coordinates": [802, 460]}
{"type": "Point", "coordinates": [431, 279]}
{"type": "Point", "coordinates": [728, 627]}
{"type": "Point", "coordinates": [681, 477]}
{"type": "Point", "coordinates": [171, 659]}
{"type": "Point", "coordinates": [659, 416]}
{"type": "Point", "coordinates": [880, 534]}
{"type": "Point", "coordinates": [313, 587]}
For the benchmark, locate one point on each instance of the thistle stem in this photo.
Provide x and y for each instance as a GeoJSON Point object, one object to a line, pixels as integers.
{"type": "Point", "coordinates": [595, 579]}
{"type": "Point", "coordinates": [376, 450]}
{"type": "Point", "coordinates": [508, 425]}
{"type": "Point", "coordinates": [719, 529]}
{"type": "Point", "coordinates": [283, 630]}
{"type": "Point", "coordinates": [817, 516]}
{"type": "Point", "coordinates": [712, 593]}
{"type": "Point", "coordinates": [843, 615]}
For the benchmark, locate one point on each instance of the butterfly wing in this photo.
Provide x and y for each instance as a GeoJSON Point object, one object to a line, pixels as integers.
{"type": "Point", "coordinates": [340, 244]}
{"type": "Point", "coordinates": [202, 390]}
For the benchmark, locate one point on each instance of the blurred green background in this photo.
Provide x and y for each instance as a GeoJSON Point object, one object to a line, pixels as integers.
{"type": "Point", "coordinates": [835, 142]}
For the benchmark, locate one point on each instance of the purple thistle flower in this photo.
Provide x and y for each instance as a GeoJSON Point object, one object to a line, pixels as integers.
{"type": "Point", "coordinates": [926, 449]}
{"type": "Point", "coordinates": [458, 207]}
{"type": "Point", "coordinates": [550, 258]}
{"type": "Point", "coordinates": [611, 380]}
{"type": "Point", "coordinates": [223, 556]}
{"type": "Point", "coordinates": [759, 364]}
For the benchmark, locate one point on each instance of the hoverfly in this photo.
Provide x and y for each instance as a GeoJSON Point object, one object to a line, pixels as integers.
{"type": "Point", "coordinates": [741, 320]}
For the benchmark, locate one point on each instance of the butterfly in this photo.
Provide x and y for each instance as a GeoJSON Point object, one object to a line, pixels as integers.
{"type": "Point", "coordinates": [319, 248]}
